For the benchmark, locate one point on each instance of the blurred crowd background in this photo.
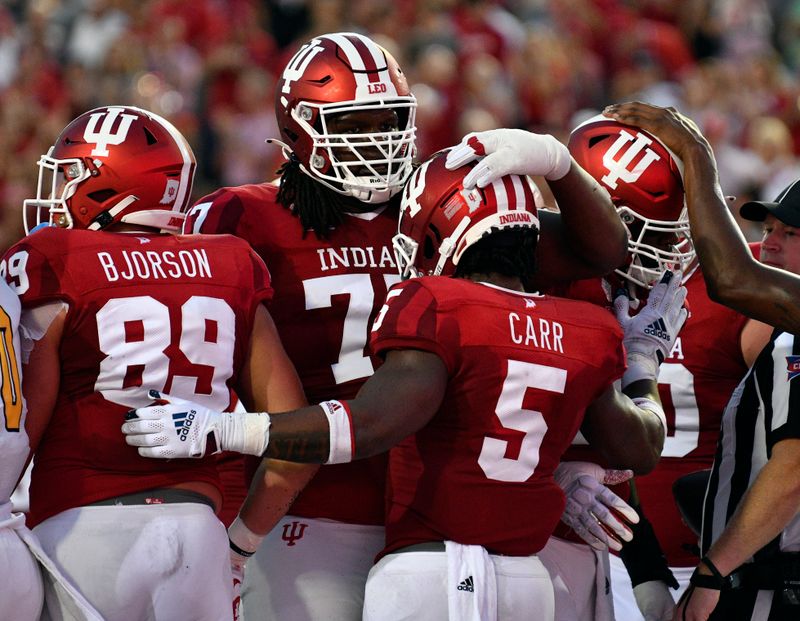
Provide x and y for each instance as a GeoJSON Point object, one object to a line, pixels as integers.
{"type": "Point", "coordinates": [210, 66]}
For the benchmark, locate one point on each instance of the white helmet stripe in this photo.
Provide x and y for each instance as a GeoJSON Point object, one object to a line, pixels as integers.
{"type": "Point", "coordinates": [185, 184]}
{"type": "Point", "coordinates": [519, 193]}
{"type": "Point", "coordinates": [500, 194]}
{"type": "Point", "coordinates": [351, 53]}
{"type": "Point", "coordinates": [367, 61]}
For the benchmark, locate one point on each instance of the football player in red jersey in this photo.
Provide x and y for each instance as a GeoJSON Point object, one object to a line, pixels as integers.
{"type": "Point", "coordinates": [118, 305]}
{"type": "Point", "coordinates": [710, 356]}
{"type": "Point", "coordinates": [749, 531]}
{"type": "Point", "coordinates": [347, 128]}
{"type": "Point", "coordinates": [483, 387]}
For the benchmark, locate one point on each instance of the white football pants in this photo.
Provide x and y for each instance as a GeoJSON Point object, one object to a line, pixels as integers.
{"type": "Point", "coordinates": [413, 585]}
{"type": "Point", "coordinates": [310, 570]}
{"type": "Point", "coordinates": [140, 563]}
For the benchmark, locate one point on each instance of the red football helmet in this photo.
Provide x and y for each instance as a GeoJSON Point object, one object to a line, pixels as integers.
{"type": "Point", "coordinates": [114, 164]}
{"type": "Point", "coordinates": [439, 219]}
{"type": "Point", "coordinates": [645, 180]}
{"type": "Point", "coordinates": [340, 73]}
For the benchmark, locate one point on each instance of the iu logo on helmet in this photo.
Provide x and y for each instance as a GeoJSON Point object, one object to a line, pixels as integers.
{"type": "Point", "coordinates": [292, 532]}
{"type": "Point", "coordinates": [619, 168]}
{"type": "Point", "coordinates": [414, 190]}
{"type": "Point", "coordinates": [107, 134]}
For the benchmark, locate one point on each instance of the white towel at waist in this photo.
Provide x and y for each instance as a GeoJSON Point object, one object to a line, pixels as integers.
{"type": "Point", "coordinates": [471, 583]}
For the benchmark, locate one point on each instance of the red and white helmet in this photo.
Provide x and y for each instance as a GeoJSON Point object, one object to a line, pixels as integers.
{"type": "Point", "coordinates": [645, 180]}
{"type": "Point", "coordinates": [439, 219]}
{"type": "Point", "coordinates": [114, 164]}
{"type": "Point", "coordinates": [338, 73]}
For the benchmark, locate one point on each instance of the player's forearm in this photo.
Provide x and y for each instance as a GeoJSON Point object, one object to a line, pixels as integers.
{"type": "Point", "coordinates": [275, 486]}
{"type": "Point", "coordinates": [626, 435]}
{"type": "Point", "coordinates": [765, 510]}
{"type": "Point", "coordinates": [591, 227]}
{"type": "Point", "coordinates": [721, 247]}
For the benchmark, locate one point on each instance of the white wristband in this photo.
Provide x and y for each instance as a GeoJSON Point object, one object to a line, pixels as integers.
{"type": "Point", "coordinates": [640, 367]}
{"type": "Point", "coordinates": [648, 404]}
{"type": "Point", "coordinates": [245, 540]}
{"type": "Point", "coordinates": [342, 438]}
{"type": "Point", "coordinates": [245, 432]}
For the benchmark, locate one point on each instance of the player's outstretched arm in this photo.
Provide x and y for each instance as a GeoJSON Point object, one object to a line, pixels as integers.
{"type": "Point", "coordinates": [586, 238]}
{"type": "Point", "coordinates": [396, 401]}
{"type": "Point", "coordinates": [733, 276]}
{"type": "Point", "coordinates": [400, 398]}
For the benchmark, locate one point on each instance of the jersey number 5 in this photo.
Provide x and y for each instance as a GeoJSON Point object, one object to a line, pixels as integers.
{"type": "Point", "coordinates": [520, 377]}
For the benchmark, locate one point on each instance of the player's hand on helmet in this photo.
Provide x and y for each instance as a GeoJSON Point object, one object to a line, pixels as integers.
{"type": "Point", "coordinates": [509, 152]}
{"type": "Point", "coordinates": [650, 335]}
{"type": "Point", "coordinates": [588, 510]}
{"type": "Point", "coordinates": [654, 600]}
{"type": "Point", "coordinates": [173, 427]}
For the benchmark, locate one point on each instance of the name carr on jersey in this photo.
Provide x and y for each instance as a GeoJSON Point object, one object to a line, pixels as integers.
{"type": "Point", "coordinates": [155, 264]}
{"type": "Point", "coordinates": [542, 334]}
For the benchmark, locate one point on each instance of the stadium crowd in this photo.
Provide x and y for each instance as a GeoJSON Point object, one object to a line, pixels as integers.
{"type": "Point", "coordinates": [210, 67]}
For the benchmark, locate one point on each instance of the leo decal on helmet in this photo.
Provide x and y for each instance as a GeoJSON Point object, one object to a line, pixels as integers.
{"type": "Point", "coordinates": [336, 74]}
{"type": "Point", "coordinates": [440, 219]}
{"type": "Point", "coordinates": [645, 181]}
{"type": "Point", "coordinates": [114, 164]}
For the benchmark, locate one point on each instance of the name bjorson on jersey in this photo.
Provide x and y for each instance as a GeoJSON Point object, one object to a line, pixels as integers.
{"type": "Point", "coordinates": [155, 265]}
{"type": "Point", "coordinates": [539, 333]}
{"type": "Point", "coordinates": [331, 258]}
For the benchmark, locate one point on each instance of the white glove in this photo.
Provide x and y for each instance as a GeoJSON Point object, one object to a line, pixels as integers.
{"type": "Point", "coordinates": [650, 335]}
{"type": "Point", "coordinates": [588, 503]}
{"type": "Point", "coordinates": [175, 427]}
{"type": "Point", "coordinates": [654, 600]}
{"type": "Point", "coordinates": [509, 152]}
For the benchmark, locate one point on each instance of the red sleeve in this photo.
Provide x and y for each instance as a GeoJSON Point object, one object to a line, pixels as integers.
{"type": "Point", "coordinates": [410, 319]}
{"type": "Point", "coordinates": [218, 212]}
{"type": "Point", "coordinates": [37, 277]}
{"type": "Point", "coordinates": [262, 281]}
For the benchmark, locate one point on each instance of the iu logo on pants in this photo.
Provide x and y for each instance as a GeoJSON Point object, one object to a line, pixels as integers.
{"type": "Point", "coordinates": [292, 532]}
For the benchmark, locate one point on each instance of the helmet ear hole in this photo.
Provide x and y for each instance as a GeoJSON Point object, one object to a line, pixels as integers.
{"type": "Point", "coordinates": [428, 248]}
{"type": "Point", "coordinates": [101, 196]}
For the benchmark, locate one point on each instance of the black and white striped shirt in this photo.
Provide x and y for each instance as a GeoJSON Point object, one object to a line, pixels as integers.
{"type": "Point", "coordinates": [763, 410]}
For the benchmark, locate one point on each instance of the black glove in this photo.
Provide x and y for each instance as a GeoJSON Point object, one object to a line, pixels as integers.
{"type": "Point", "coordinates": [643, 557]}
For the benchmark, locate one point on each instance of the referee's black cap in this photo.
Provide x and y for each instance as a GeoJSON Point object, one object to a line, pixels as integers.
{"type": "Point", "coordinates": [785, 208]}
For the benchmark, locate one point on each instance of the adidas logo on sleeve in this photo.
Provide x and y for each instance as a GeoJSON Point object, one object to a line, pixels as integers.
{"type": "Point", "coordinates": [466, 585]}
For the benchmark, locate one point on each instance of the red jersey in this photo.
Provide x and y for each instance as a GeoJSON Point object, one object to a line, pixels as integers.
{"type": "Point", "coordinates": [146, 311]}
{"type": "Point", "coordinates": [327, 292]}
{"type": "Point", "coordinates": [522, 369]}
{"type": "Point", "coordinates": [694, 383]}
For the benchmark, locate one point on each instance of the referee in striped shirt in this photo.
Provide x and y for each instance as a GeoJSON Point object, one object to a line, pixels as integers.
{"type": "Point", "coordinates": [751, 525]}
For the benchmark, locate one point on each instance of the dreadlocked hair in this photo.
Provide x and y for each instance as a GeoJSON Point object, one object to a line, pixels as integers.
{"type": "Point", "coordinates": [510, 252]}
{"type": "Point", "coordinates": [319, 208]}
